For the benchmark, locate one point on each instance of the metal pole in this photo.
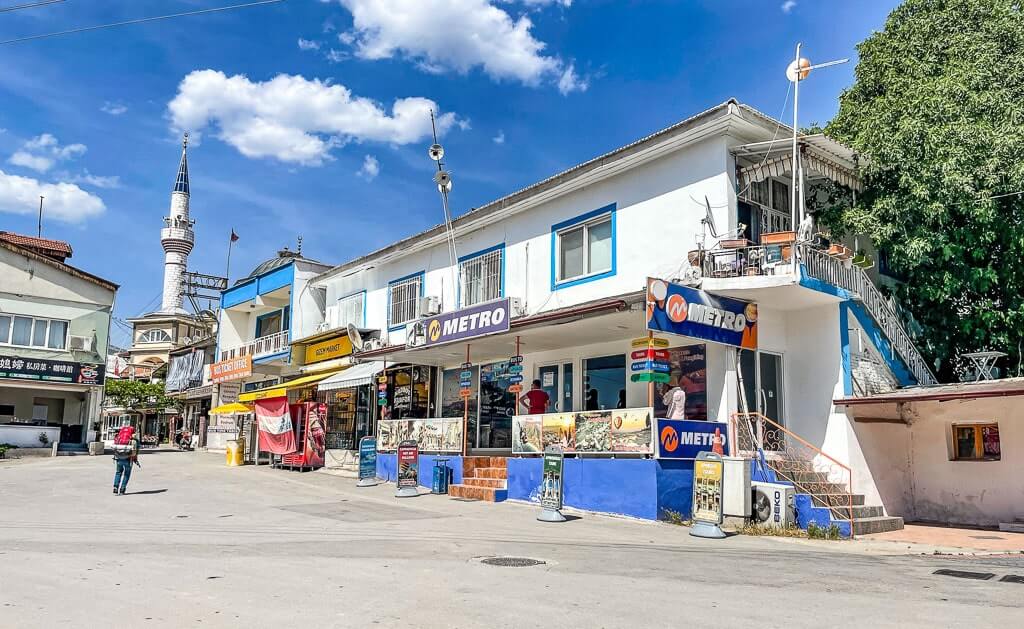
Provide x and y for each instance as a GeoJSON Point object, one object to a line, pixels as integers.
{"type": "Point", "coordinates": [796, 131]}
{"type": "Point", "coordinates": [650, 385]}
{"type": "Point", "coordinates": [465, 414]}
{"type": "Point", "coordinates": [40, 233]}
{"type": "Point", "coordinates": [227, 271]}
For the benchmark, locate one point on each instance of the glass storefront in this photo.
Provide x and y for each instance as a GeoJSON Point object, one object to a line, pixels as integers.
{"type": "Point", "coordinates": [604, 380]}
{"type": "Point", "coordinates": [408, 393]}
{"type": "Point", "coordinates": [497, 406]}
{"type": "Point", "coordinates": [453, 406]}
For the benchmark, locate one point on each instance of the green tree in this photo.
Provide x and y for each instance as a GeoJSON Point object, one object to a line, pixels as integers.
{"type": "Point", "coordinates": [937, 109]}
{"type": "Point", "coordinates": [136, 394]}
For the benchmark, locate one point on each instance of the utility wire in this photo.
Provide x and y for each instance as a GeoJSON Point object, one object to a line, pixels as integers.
{"type": "Point", "coordinates": [137, 21]}
{"type": "Point", "coordinates": [30, 5]}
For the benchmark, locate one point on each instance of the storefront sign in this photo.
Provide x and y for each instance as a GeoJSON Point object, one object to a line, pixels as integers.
{"type": "Point", "coordinates": [649, 365]}
{"type": "Point", "coordinates": [50, 370]}
{"type": "Point", "coordinates": [231, 369]}
{"type": "Point", "coordinates": [678, 309]}
{"type": "Point", "coordinates": [551, 485]}
{"type": "Point", "coordinates": [328, 350]}
{"type": "Point", "coordinates": [609, 431]}
{"type": "Point", "coordinates": [408, 464]}
{"type": "Point", "coordinates": [228, 392]}
{"type": "Point", "coordinates": [650, 376]}
{"type": "Point", "coordinates": [367, 458]}
{"type": "Point", "coordinates": [650, 354]}
{"type": "Point", "coordinates": [480, 320]}
{"type": "Point", "coordinates": [515, 388]}
{"type": "Point", "coordinates": [685, 439]}
{"type": "Point", "coordinates": [707, 488]}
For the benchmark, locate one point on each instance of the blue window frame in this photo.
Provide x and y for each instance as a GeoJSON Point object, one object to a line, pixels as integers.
{"type": "Point", "coordinates": [481, 276]}
{"type": "Point", "coordinates": [278, 319]}
{"type": "Point", "coordinates": [583, 248]}
{"type": "Point", "coordinates": [403, 300]}
{"type": "Point", "coordinates": [352, 309]}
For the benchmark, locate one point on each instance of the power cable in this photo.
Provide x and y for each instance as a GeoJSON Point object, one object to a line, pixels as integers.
{"type": "Point", "coordinates": [30, 5]}
{"type": "Point", "coordinates": [137, 21]}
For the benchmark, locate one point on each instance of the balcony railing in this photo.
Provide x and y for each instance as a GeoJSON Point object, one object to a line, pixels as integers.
{"type": "Point", "coordinates": [748, 261]}
{"type": "Point", "coordinates": [263, 346]}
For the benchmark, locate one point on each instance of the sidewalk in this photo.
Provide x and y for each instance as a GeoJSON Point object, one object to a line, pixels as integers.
{"type": "Point", "coordinates": [947, 540]}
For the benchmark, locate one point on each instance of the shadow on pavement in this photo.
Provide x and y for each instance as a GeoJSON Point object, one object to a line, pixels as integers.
{"type": "Point", "coordinates": [145, 493]}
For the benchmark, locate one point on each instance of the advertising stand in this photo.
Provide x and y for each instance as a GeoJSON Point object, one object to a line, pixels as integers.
{"type": "Point", "coordinates": [408, 469]}
{"type": "Point", "coordinates": [707, 496]}
{"type": "Point", "coordinates": [367, 462]}
{"type": "Point", "coordinates": [551, 486]}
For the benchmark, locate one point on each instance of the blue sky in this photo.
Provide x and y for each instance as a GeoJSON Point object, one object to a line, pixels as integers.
{"type": "Point", "coordinates": [334, 149]}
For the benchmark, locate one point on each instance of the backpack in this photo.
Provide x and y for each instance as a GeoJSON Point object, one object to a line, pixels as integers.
{"type": "Point", "coordinates": [124, 436]}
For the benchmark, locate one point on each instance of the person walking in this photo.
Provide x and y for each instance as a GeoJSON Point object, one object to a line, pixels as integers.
{"type": "Point", "coordinates": [126, 453]}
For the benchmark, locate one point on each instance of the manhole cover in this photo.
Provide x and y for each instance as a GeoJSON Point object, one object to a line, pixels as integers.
{"type": "Point", "coordinates": [963, 574]}
{"type": "Point", "coordinates": [1012, 578]}
{"type": "Point", "coordinates": [512, 562]}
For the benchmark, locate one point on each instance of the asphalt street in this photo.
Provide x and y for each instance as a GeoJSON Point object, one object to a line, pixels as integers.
{"type": "Point", "coordinates": [197, 544]}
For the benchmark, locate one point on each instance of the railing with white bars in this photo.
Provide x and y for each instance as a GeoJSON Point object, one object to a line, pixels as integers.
{"type": "Point", "coordinates": [262, 346]}
{"type": "Point", "coordinates": [852, 278]}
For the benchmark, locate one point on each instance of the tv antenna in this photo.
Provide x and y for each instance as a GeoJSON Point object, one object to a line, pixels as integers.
{"type": "Point", "coordinates": [443, 179]}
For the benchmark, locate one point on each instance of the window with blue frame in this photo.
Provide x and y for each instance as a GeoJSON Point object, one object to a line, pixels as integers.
{"type": "Point", "coordinates": [481, 276]}
{"type": "Point", "coordinates": [583, 248]}
{"type": "Point", "coordinates": [403, 300]}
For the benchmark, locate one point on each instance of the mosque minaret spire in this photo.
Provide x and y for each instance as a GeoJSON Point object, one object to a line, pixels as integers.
{"type": "Point", "coordinates": [177, 238]}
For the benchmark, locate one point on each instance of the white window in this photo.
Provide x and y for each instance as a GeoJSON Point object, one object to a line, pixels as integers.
{"type": "Point", "coordinates": [480, 277]}
{"type": "Point", "coordinates": [155, 336]}
{"type": "Point", "coordinates": [584, 249]}
{"type": "Point", "coordinates": [403, 298]}
{"type": "Point", "coordinates": [350, 310]}
{"type": "Point", "coordinates": [32, 332]}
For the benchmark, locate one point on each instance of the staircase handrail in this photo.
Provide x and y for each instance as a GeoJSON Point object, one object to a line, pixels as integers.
{"type": "Point", "coordinates": [852, 278]}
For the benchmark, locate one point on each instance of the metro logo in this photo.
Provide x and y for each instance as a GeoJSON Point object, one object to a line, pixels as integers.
{"type": "Point", "coordinates": [676, 308]}
{"type": "Point", "coordinates": [434, 330]}
{"type": "Point", "coordinates": [669, 439]}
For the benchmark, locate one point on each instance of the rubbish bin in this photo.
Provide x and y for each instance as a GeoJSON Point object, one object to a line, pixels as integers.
{"type": "Point", "coordinates": [235, 452]}
{"type": "Point", "coordinates": [441, 477]}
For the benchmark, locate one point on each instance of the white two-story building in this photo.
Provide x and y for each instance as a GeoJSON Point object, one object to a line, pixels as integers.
{"type": "Point", "coordinates": [706, 203]}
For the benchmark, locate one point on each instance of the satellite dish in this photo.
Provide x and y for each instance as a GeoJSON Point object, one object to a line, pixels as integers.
{"type": "Point", "coordinates": [804, 66]}
{"type": "Point", "coordinates": [443, 180]}
{"type": "Point", "coordinates": [355, 337]}
{"type": "Point", "coordinates": [436, 152]}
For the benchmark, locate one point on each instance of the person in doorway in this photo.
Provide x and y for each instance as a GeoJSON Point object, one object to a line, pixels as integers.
{"type": "Point", "coordinates": [622, 399]}
{"type": "Point", "coordinates": [592, 402]}
{"type": "Point", "coordinates": [675, 400]}
{"type": "Point", "coordinates": [536, 399]}
{"type": "Point", "coordinates": [126, 452]}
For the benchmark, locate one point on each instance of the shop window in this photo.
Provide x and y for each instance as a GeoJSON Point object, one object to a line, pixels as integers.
{"type": "Point", "coordinates": [408, 393]}
{"type": "Point", "coordinates": [452, 404]}
{"type": "Point", "coordinates": [780, 196]}
{"type": "Point", "coordinates": [272, 323]}
{"type": "Point", "coordinates": [604, 382]}
{"type": "Point", "coordinates": [403, 300]}
{"type": "Point", "coordinates": [352, 310]}
{"type": "Point", "coordinates": [480, 276]}
{"type": "Point", "coordinates": [6, 410]}
{"type": "Point", "coordinates": [155, 336]}
{"type": "Point", "coordinates": [348, 416]}
{"type": "Point", "coordinates": [583, 248]}
{"type": "Point", "coordinates": [31, 332]}
{"type": "Point", "coordinates": [497, 406]}
{"type": "Point", "coordinates": [976, 442]}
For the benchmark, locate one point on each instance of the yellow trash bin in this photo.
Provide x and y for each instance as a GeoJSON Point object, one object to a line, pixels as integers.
{"type": "Point", "coordinates": [235, 452]}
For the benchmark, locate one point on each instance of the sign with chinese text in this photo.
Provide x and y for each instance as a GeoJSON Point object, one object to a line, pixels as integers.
{"type": "Point", "coordinates": [682, 310]}
{"type": "Point", "coordinates": [491, 317]}
{"type": "Point", "coordinates": [231, 369]}
{"type": "Point", "coordinates": [18, 368]}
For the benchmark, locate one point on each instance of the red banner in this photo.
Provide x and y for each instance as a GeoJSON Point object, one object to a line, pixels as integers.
{"type": "Point", "coordinates": [277, 433]}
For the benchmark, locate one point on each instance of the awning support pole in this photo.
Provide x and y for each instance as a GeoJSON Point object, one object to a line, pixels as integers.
{"type": "Point", "coordinates": [650, 385]}
{"type": "Point", "coordinates": [465, 414]}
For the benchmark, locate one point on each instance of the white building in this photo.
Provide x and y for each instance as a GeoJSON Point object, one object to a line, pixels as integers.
{"type": "Point", "coordinates": [574, 253]}
{"type": "Point", "coordinates": [54, 331]}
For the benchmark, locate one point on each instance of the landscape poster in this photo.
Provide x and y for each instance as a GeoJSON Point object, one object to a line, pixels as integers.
{"type": "Point", "coordinates": [625, 430]}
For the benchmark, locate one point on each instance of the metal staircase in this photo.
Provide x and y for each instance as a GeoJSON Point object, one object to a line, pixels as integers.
{"type": "Point", "coordinates": [851, 278]}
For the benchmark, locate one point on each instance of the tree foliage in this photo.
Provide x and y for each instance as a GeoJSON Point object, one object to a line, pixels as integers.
{"type": "Point", "coordinates": [937, 109]}
{"type": "Point", "coordinates": [136, 394]}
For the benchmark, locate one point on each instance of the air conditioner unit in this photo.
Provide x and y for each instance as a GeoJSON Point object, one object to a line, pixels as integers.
{"type": "Point", "coordinates": [415, 334]}
{"type": "Point", "coordinates": [772, 504]}
{"type": "Point", "coordinates": [80, 343]}
{"type": "Point", "coordinates": [429, 306]}
{"type": "Point", "coordinates": [516, 308]}
{"type": "Point", "coordinates": [371, 344]}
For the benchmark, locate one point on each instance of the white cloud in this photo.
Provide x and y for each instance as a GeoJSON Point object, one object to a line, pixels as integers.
{"type": "Point", "coordinates": [788, 6]}
{"type": "Point", "coordinates": [370, 168]}
{"type": "Point", "coordinates": [43, 151]}
{"type": "Point", "coordinates": [295, 119]}
{"type": "Point", "coordinates": [308, 44]}
{"type": "Point", "coordinates": [64, 201]}
{"type": "Point", "coordinates": [539, 3]}
{"type": "Point", "coordinates": [96, 181]}
{"type": "Point", "coordinates": [572, 82]}
{"type": "Point", "coordinates": [114, 109]}
{"type": "Point", "coordinates": [453, 35]}
{"type": "Point", "coordinates": [500, 138]}
{"type": "Point", "coordinates": [336, 56]}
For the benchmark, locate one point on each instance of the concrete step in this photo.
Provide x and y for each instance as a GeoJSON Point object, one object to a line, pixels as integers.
{"type": "Point", "coordinates": [807, 477]}
{"type": "Point", "coordinates": [837, 500]}
{"type": "Point", "coordinates": [500, 483]}
{"type": "Point", "coordinates": [880, 524]}
{"type": "Point", "coordinates": [860, 512]}
{"type": "Point", "coordinates": [487, 472]}
{"type": "Point", "coordinates": [472, 492]}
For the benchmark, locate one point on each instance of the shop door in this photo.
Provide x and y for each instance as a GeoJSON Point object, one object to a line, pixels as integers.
{"type": "Point", "coordinates": [497, 406]}
{"type": "Point", "coordinates": [764, 392]}
{"type": "Point", "coordinates": [556, 381]}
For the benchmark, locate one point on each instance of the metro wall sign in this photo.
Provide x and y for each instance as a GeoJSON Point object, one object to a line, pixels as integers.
{"type": "Point", "coordinates": [682, 310]}
{"type": "Point", "coordinates": [483, 319]}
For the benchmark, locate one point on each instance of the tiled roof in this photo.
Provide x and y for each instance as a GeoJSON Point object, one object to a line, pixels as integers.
{"type": "Point", "coordinates": [45, 244]}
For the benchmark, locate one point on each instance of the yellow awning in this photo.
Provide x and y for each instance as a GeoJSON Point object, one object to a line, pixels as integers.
{"type": "Point", "coordinates": [228, 409]}
{"type": "Point", "coordinates": [281, 390]}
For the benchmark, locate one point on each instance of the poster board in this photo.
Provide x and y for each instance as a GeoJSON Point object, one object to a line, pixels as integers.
{"type": "Point", "coordinates": [613, 431]}
{"type": "Point", "coordinates": [434, 434]}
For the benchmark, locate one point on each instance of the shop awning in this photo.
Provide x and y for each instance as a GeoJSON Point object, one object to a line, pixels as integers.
{"type": "Point", "coordinates": [353, 376]}
{"type": "Point", "coordinates": [228, 409]}
{"type": "Point", "coordinates": [281, 390]}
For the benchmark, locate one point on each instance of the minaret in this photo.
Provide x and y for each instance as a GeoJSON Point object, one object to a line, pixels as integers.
{"type": "Point", "coordinates": [177, 238]}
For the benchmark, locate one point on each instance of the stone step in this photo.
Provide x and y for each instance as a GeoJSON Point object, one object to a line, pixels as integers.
{"type": "Point", "coordinates": [500, 483]}
{"type": "Point", "coordinates": [880, 524]}
{"type": "Point", "coordinates": [807, 477]}
{"type": "Point", "coordinates": [471, 492]}
{"type": "Point", "coordinates": [860, 512]}
{"type": "Point", "coordinates": [487, 472]}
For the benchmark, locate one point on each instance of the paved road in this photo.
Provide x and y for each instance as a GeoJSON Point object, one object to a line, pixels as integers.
{"type": "Point", "coordinates": [195, 544]}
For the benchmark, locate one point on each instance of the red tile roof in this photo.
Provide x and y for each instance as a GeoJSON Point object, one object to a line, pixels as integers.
{"type": "Point", "coordinates": [44, 245]}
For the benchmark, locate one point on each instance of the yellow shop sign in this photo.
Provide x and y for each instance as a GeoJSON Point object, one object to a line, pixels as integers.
{"type": "Point", "coordinates": [326, 350]}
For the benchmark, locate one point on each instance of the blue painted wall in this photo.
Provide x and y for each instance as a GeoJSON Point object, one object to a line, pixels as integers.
{"type": "Point", "coordinates": [261, 285]}
{"type": "Point", "coordinates": [387, 468]}
{"type": "Point", "coordinates": [807, 513]}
